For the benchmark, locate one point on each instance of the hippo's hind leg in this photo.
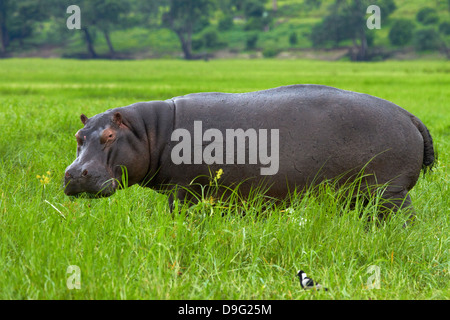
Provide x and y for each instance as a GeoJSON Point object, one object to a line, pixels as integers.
{"type": "Point", "coordinates": [394, 199]}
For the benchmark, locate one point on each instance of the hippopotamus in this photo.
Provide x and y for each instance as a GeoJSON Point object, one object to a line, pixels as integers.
{"type": "Point", "coordinates": [286, 138]}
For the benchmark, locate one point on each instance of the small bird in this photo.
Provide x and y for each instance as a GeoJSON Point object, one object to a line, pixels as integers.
{"type": "Point", "coordinates": [308, 283]}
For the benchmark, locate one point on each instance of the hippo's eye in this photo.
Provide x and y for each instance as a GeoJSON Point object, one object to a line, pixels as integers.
{"type": "Point", "coordinates": [108, 135]}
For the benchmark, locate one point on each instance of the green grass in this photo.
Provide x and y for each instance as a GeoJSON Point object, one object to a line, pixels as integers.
{"type": "Point", "coordinates": [128, 246]}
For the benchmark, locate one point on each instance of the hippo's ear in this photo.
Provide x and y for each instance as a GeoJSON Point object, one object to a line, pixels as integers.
{"type": "Point", "coordinates": [118, 120]}
{"type": "Point", "coordinates": [84, 119]}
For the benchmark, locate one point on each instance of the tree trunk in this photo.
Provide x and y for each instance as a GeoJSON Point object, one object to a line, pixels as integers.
{"type": "Point", "coordinates": [360, 33]}
{"type": "Point", "coordinates": [274, 5]}
{"type": "Point", "coordinates": [354, 50]}
{"type": "Point", "coordinates": [108, 41]}
{"type": "Point", "coordinates": [446, 49]}
{"type": "Point", "coordinates": [363, 46]}
{"type": "Point", "coordinates": [186, 44]}
{"type": "Point", "coordinates": [4, 38]}
{"type": "Point", "coordinates": [89, 43]}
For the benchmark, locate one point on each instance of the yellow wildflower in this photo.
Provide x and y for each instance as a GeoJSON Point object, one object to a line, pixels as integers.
{"type": "Point", "coordinates": [218, 174]}
{"type": "Point", "coordinates": [44, 179]}
{"type": "Point", "coordinates": [216, 178]}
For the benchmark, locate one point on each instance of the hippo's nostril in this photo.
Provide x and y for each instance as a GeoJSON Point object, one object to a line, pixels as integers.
{"type": "Point", "coordinates": [84, 174]}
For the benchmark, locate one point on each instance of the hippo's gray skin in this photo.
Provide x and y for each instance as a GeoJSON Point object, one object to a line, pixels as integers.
{"type": "Point", "coordinates": [324, 133]}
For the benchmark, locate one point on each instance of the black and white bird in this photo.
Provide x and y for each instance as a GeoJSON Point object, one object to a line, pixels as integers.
{"type": "Point", "coordinates": [308, 283]}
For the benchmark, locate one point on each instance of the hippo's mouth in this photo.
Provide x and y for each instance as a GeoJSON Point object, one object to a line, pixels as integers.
{"type": "Point", "coordinates": [87, 195]}
{"type": "Point", "coordinates": [77, 190]}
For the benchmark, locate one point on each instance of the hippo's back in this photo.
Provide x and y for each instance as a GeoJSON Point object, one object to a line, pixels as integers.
{"type": "Point", "coordinates": [285, 104]}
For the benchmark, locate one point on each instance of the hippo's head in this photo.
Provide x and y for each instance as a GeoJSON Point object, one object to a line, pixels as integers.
{"type": "Point", "coordinates": [107, 145]}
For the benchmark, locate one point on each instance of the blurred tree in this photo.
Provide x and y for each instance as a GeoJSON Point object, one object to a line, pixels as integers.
{"type": "Point", "coordinates": [18, 19]}
{"type": "Point", "coordinates": [211, 39]}
{"type": "Point", "coordinates": [427, 39]}
{"type": "Point", "coordinates": [97, 17]}
{"type": "Point", "coordinates": [251, 41]}
{"type": "Point", "coordinates": [347, 20]}
{"type": "Point", "coordinates": [181, 17]}
{"type": "Point", "coordinates": [225, 6]}
{"type": "Point", "coordinates": [444, 28]}
{"type": "Point", "coordinates": [89, 16]}
{"type": "Point", "coordinates": [227, 11]}
{"type": "Point", "coordinates": [310, 4]}
{"type": "Point", "coordinates": [254, 8]}
{"type": "Point", "coordinates": [147, 12]}
{"type": "Point", "coordinates": [226, 23]}
{"type": "Point", "coordinates": [386, 6]}
{"type": "Point", "coordinates": [103, 16]}
{"type": "Point", "coordinates": [401, 32]}
{"type": "Point", "coordinates": [270, 52]}
{"type": "Point", "coordinates": [238, 5]}
{"type": "Point", "coordinates": [427, 16]}
{"type": "Point", "coordinates": [257, 16]}
{"type": "Point", "coordinates": [293, 39]}
{"type": "Point", "coordinates": [4, 36]}
{"type": "Point", "coordinates": [333, 28]}
{"type": "Point", "coordinates": [110, 15]}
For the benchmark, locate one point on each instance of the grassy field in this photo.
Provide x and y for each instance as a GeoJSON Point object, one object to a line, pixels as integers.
{"type": "Point", "coordinates": [129, 247]}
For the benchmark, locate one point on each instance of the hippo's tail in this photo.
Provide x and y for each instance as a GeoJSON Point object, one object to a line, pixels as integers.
{"type": "Point", "coordinates": [429, 152]}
